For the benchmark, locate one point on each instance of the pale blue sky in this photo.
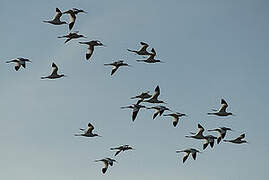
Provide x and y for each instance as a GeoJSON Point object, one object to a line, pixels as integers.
{"type": "Point", "coordinates": [212, 49]}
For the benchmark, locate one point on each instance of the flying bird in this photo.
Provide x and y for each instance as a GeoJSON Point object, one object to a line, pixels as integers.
{"type": "Point", "coordinates": [56, 20]}
{"type": "Point", "coordinates": [159, 110]}
{"type": "Point", "coordinates": [142, 50]}
{"type": "Point", "coordinates": [187, 152]}
{"type": "Point", "coordinates": [176, 117]}
{"type": "Point", "coordinates": [136, 108]}
{"type": "Point", "coordinates": [72, 35]}
{"type": "Point", "coordinates": [107, 162]}
{"type": "Point", "coordinates": [151, 59]}
{"type": "Point", "coordinates": [19, 62]}
{"type": "Point", "coordinates": [121, 149]}
{"type": "Point", "coordinates": [54, 74]}
{"type": "Point", "coordinates": [199, 134]}
{"type": "Point", "coordinates": [209, 140]}
{"type": "Point", "coordinates": [238, 140]}
{"type": "Point", "coordinates": [154, 97]}
{"type": "Point", "coordinates": [222, 110]}
{"type": "Point", "coordinates": [88, 131]}
{"type": "Point", "coordinates": [142, 96]}
{"type": "Point", "coordinates": [91, 45]}
{"type": "Point", "coordinates": [77, 11]}
{"type": "Point", "coordinates": [221, 131]}
{"type": "Point", "coordinates": [72, 18]}
{"type": "Point", "coordinates": [116, 65]}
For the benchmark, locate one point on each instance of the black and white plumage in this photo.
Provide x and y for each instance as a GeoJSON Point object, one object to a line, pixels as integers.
{"type": "Point", "coordinates": [136, 108]}
{"type": "Point", "coordinates": [159, 110]}
{"type": "Point", "coordinates": [107, 162]}
{"type": "Point", "coordinates": [189, 151]}
{"type": "Point", "coordinates": [56, 20]}
{"type": "Point", "coordinates": [142, 96]}
{"type": "Point", "coordinates": [221, 131]}
{"type": "Point", "coordinates": [222, 111]}
{"type": "Point", "coordinates": [77, 11]}
{"type": "Point", "coordinates": [238, 140]}
{"type": "Point", "coordinates": [72, 18]}
{"type": "Point", "coordinates": [54, 74]}
{"type": "Point", "coordinates": [209, 140]}
{"type": "Point", "coordinates": [142, 50]}
{"type": "Point", "coordinates": [88, 131]}
{"type": "Point", "coordinates": [154, 97]}
{"type": "Point", "coordinates": [19, 62]}
{"type": "Point", "coordinates": [176, 117]}
{"type": "Point", "coordinates": [151, 59]}
{"type": "Point", "coordinates": [199, 134]}
{"type": "Point", "coordinates": [116, 65]}
{"type": "Point", "coordinates": [72, 35]}
{"type": "Point", "coordinates": [91, 45]}
{"type": "Point", "coordinates": [121, 149]}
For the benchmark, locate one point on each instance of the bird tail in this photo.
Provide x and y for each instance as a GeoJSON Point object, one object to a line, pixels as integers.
{"type": "Point", "coordinates": [211, 113]}
{"type": "Point", "coordinates": [43, 77]}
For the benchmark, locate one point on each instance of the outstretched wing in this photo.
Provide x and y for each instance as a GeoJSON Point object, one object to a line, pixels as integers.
{"type": "Point", "coordinates": [224, 106]}
{"type": "Point", "coordinates": [57, 15]}
{"type": "Point", "coordinates": [54, 69]}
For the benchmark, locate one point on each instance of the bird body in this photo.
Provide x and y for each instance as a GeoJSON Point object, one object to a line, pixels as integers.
{"type": "Point", "coordinates": [150, 59]}
{"type": "Point", "coordinates": [54, 74]}
{"type": "Point", "coordinates": [19, 62]}
{"type": "Point", "coordinates": [107, 162]}
{"type": "Point", "coordinates": [121, 149]}
{"type": "Point", "coordinates": [142, 50]}
{"type": "Point", "coordinates": [199, 134]}
{"type": "Point", "coordinates": [159, 110]}
{"type": "Point", "coordinates": [209, 140]}
{"type": "Point", "coordinates": [189, 151]}
{"type": "Point", "coordinates": [136, 108]}
{"type": "Point", "coordinates": [91, 45]}
{"type": "Point", "coordinates": [238, 140]}
{"type": "Point", "coordinates": [176, 117]}
{"type": "Point", "coordinates": [116, 65]}
{"type": "Point", "coordinates": [221, 131]}
{"type": "Point", "coordinates": [154, 97]}
{"type": "Point", "coordinates": [72, 18]}
{"type": "Point", "coordinates": [88, 132]}
{"type": "Point", "coordinates": [222, 111]}
{"type": "Point", "coordinates": [72, 35]}
{"type": "Point", "coordinates": [56, 20]}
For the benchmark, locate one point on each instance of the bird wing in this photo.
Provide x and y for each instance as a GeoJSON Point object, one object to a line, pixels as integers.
{"type": "Point", "coordinates": [193, 155]}
{"type": "Point", "coordinates": [224, 105]}
{"type": "Point", "coordinates": [114, 70]}
{"type": "Point", "coordinates": [72, 19]}
{"type": "Point", "coordinates": [135, 112]}
{"type": "Point", "coordinates": [144, 46]}
{"type": "Point", "coordinates": [89, 52]}
{"type": "Point", "coordinates": [117, 152]}
{"type": "Point", "coordinates": [90, 128]}
{"type": "Point", "coordinates": [242, 136]}
{"type": "Point", "coordinates": [54, 69]}
{"type": "Point", "coordinates": [186, 156]}
{"type": "Point", "coordinates": [57, 15]}
{"type": "Point", "coordinates": [156, 93]}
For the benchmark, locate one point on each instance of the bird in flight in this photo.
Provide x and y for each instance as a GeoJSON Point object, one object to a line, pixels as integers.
{"type": "Point", "coordinates": [121, 149]}
{"type": "Point", "coordinates": [77, 11]}
{"type": "Point", "coordinates": [107, 162]}
{"type": "Point", "coordinates": [176, 117]}
{"type": "Point", "coordinates": [136, 108]}
{"type": "Point", "coordinates": [187, 152]}
{"type": "Point", "coordinates": [209, 140]}
{"type": "Point", "coordinates": [159, 110]}
{"type": "Point", "coordinates": [72, 35]}
{"type": "Point", "coordinates": [88, 131]}
{"type": "Point", "coordinates": [56, 20]}
{"type": "Point", "coordinates": [116, 65]}
{"type": "Point", "coordinates": [142, 96]}
{"type": "Point", "coordinates": [54, 74]}
{"type": "Point", "coordinates": [142, 50]}
{"type": "Point", "coordinates": [91, 45]}
{"type": "Point", "coordinates": [72, 18]}
{"type": "Point", "coordinates": [19, 62]}
{"type": "Point", "coordinates": [154, 97]}
{"type": "Point", "coordinates": [199, 134]}
{"type": "Point", "coordinates": [221, 131]}
{"type": "Point", "coordinates": [238, 140]}
{"type": "Point", "coordinates": [150, 59]}
{"type": "Point", "coordinates": [222, 110]}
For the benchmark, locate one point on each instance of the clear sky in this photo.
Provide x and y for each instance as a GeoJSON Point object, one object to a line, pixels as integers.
{"type": "Point", "coordinates": [212, 49]}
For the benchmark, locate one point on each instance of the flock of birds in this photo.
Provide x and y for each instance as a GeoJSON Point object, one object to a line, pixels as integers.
{"type": "Point", "coordinates": [144, 97]}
